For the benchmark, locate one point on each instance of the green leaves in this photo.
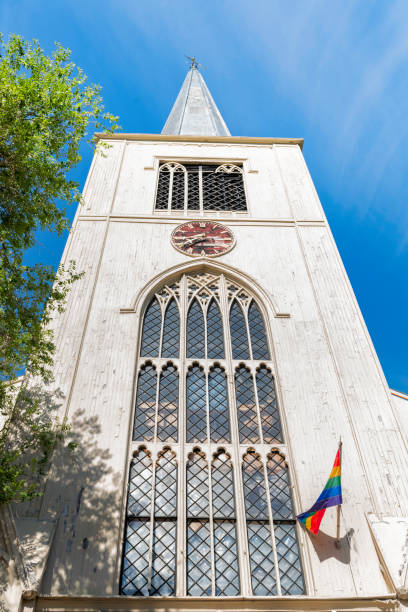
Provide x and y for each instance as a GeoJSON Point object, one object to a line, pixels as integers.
{"type": "Point", "coordinates": [47, 109]}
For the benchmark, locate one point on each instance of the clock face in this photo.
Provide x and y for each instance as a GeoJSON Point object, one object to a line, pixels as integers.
{"type": "Point", "coordinates": [202, 238]}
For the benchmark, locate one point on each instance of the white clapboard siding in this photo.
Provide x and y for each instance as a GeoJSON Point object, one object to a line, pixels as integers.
{"type": "Point", "coordinates": [101, 183]}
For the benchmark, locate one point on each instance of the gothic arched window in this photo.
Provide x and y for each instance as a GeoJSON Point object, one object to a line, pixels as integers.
{"type": "Point", "coordinates": [209, 510]}
{"type": "Point", "coordinates": [200, 187]}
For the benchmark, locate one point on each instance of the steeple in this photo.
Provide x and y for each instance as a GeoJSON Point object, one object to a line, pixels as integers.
{"type": "Point", "coordinates": [194, 111]}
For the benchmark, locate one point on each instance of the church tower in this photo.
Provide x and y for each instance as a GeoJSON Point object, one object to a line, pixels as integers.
{"type": "Point", "coordinates": [208, 361]}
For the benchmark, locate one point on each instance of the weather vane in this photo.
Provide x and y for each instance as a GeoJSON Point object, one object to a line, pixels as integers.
{"type": "Point", "coordinates": [194, 63]}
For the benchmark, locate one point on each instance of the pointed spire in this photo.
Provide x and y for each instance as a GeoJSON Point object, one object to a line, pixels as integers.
{"type": "Point", "coordinates": [195, 112]}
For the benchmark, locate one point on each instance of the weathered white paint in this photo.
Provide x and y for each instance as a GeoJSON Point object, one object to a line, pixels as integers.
{"type": "Point", "coordinates": [391, 536]}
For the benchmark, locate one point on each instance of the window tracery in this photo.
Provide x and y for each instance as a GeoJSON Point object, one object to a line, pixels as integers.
{"type": "Point", "coordinates": [206, 414]}
{"type": "Point", "coordinates": [200, 187]}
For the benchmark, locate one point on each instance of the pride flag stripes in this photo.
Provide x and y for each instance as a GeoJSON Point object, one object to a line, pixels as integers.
{"type": "Point", "coordinates": [330, 496]}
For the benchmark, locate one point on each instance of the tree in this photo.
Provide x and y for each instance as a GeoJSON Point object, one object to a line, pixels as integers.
{"type": "Point", "coordinates": [46, 111]}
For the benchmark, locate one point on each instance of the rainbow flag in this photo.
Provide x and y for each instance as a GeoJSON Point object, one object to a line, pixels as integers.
{"type": "Point", "coordinates": [330, 496]}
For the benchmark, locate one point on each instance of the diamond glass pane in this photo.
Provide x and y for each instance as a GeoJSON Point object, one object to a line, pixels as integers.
{"type": "Point", "coordinates": [195, 331]}
{"type": "Point", "coordinates": [261, 559]}
{"type": "Point", "coordinates": [198, 558]}
{"type": "Point", "coordinates": [151, 330]}
{"type": "Point", "coordinates": [177, 200]}
{"type": "Point", "coordinates": [162, 198]}
{"type": "Point", "coordinates": [215, 336]}
{"type": "Point", "coordinates": [171, 331]}
{"type": "Point", "coordinates": [239, 339]}
{"type": "Point", "coordinates": [135, 558]}
{"type": "Point", "coordinates": [222, 485]}
{"type": "Point", "coordinates": [193, 188]}
{"type": "Point", "coordinates": [246, 406]}
{"type": "Point", "coordinates": [257, 332]}
{"type": "Point", "coordinates": [218, 405]}
{"type": "Point", "coordinates": [196, 406]}
{"type": "Point", "coordinates": [268, 406]}
{"type": "Point", "coordinates": [226, 559]}
{"type": "Point", "coordinates": [168, 405]}
{"type": "Point", "coordinates": [279, 487]}
{"type": "Point", "coordinates": [197, 486]}
{"type": "Point", "coordinates": [254, 487]}
{"type": "Point", "coordinates": [140, 486]}
{"type": "Point", "coordinates": [145, 404]}
{"type": "Point", "coordinates": [164, 558]}
{"type": "Point", "coordinates": [165, 504]}
{"type": "Point", "coordinates": [290, 568]}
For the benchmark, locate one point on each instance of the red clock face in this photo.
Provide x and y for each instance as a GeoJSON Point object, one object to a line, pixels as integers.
{"type": "Point", "coordinates": [202, 238]}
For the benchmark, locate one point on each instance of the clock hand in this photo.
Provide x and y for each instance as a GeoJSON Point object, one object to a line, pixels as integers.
{"type": "Point", "coordinates": [198, 238]}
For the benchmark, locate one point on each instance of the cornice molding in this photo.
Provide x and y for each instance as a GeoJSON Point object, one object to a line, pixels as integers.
{"type": "Point", "coordinates": [257, 140]}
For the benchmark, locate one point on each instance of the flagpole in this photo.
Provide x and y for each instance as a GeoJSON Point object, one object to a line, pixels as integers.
{"type": "Point", "coordinates": [337, 542]}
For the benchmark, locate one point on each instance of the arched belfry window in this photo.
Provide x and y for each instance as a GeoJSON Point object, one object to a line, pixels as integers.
{"type": "Point", "coordinates": [200, 187]}
{"type": "Point", "coordinates": [209, 507]}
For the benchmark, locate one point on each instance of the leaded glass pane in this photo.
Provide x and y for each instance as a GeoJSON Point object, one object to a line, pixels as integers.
{"type": "Point", "coordinates": [215, 336]}
{"type": "Point", "coordinates": [226, 559]}
{"type": "Point", "coordinates": [140, 484]}
{"type": "Point", "coordinates": [257, 331]}
{"type": "Point", "coordinates": [177, 201]}
{"type": "Point", "coordinates": [246, 406]}
{"type": "Point", "coordinates": [196, 405]}
{"type": "Point", "coordinates": [197, 486]}
{"type": "Point", "coordinates": [218, 405]}
{"type": "Point", "coordinates": [239, 339]}
{"type": "Point", "coordinates": [135, 566]}
{"type": "Point", "coordinates": [145, 404]}
{"type": "Point", "coordinates": [290, 568]}
{"type": "Point", "coordinates": [268, 406]}
{"type": "Point", "coordinates": [135, 555]}
{"type": "Point", "coordinates": [198, 558]}
{"type": "Point", "coordinates": [164, 558]}
{"type": "Point", "coordinates": [151, 330]}
{"type": "Point", "coordinates": [171, 331]}
{"type": "Point", "coordinates": [222, 487]}
{"type": "Point", "coordinates": [261, 559]}
{"type": "Point", "coordinates": [195, 331]}
{"type": "Point", "coordinates": [279, 487]}
{"type": "Point", "coordinates": [254, 487]}
{"type": "Point", "coordinates": [166, 485]}
{"type": "Point", "coordinates": [162, 197]}
{"type": "Point", "coordinates": [168, 405]}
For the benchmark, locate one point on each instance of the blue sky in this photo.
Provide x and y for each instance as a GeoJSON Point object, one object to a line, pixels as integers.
{"type": "Point", "coordinates": [335, 73]}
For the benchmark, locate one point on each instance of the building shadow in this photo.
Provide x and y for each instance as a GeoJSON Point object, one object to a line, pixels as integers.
{"type": "Point", "coordinates": [81, 496]}
{"type": "Point", "coordinates": [327, 547]}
